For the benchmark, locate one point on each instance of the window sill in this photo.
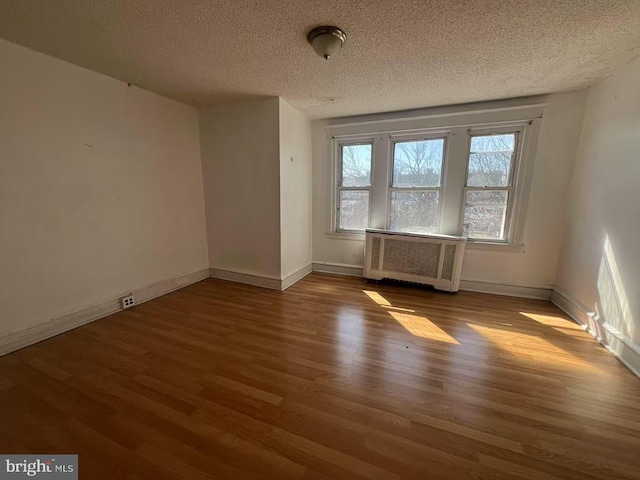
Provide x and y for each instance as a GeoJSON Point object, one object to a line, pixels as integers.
{"type": "Point", "coordinates": [360, 237]}
{"type": "Point", "coordinates": [471, 245]}
{"type": "Point", "coordinates": [496, 247]}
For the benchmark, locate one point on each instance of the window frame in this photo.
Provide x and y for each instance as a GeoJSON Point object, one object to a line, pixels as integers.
{"type": "Point", "coordinates": [421, 136]}
{"type": "Point", "coordinates": [512, 189]}
{"type": "Point", "coordinates": [339, 144]}
{"type": "Point", "coordinates": [456, 126]}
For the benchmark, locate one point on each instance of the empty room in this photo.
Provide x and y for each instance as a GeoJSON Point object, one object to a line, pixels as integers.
{"type": "Point", "coordinates": [320, 240]}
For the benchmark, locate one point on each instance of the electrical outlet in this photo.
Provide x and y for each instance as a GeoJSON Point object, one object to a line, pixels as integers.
{"type": "Point", "coordinates": [127, 302]}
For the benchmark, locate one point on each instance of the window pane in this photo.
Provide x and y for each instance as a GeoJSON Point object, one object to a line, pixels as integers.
{"type": "Point", "coordinates": [354, 210]}
{"type": "Point", "coordinates": [418, 163]}
{"type": "Point", "coordinates": [356, 165]}
{"type": "Point", "coordinates": [490, 160]}
{"type": "Point", "coordinates": [484, 214]}
{"type": "Point", "coordinates": [414, 211]}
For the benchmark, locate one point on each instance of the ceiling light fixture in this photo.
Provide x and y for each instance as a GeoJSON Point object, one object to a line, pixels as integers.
{"type": "Point", "coordinates": [327, 41]}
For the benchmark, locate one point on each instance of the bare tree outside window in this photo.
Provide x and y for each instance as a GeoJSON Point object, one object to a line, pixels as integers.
{"type": "Point", "coordinates": [491, 159]}
{"type": "Point", "coordinates": [355, 182]}
{"type": "Point", "coordinates": [417, 180]}
{"type": "Point", "coordinates": [469, 180]}
{"type": "Point", "coordinates": [356, 165]}
{"type": "Point", "coordinates": [418, 164]}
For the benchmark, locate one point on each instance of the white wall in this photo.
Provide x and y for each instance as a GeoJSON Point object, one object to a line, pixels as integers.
{"type": "Point", "coordinates": [600, 261]}
{"type": "Point", "coordinates": [295, 189]}
{"type": "Point", "coordinates": [536, 266]}
{"type": "Point", "coordinates": [240, 161]}
{"type": "Point", "coordinates": [100, 189]}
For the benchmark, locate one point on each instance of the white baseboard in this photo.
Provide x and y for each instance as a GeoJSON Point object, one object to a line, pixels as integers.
{"type": "Point", "coordinates": [263, 281]}
{"type": "Point", "coordinates": [247, 278]}
{"type": "Point", "coordinates": [621, 347]}
{"type": "Point", "coordinates": [538, 293]}
{"type": "Point", "coordinates": [296, 276]}
{"type": "Point", "coordinates": [338, 268]}
{"type": "Point", "coordinates": [56, 326]}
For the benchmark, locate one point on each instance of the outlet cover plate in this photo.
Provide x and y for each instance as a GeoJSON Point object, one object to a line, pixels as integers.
{"type": "Point", "coordinates": [128, 301]}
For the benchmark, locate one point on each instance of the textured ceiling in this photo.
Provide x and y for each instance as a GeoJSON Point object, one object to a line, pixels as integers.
{"type": "Point", "coordinates": [400, 54]}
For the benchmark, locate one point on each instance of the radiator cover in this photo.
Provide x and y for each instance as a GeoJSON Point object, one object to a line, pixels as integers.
{"type": "Point", "coordinates": [428, 259]}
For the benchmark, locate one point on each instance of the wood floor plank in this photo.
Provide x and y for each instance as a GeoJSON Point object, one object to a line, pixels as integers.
{"type": "Point", "coordinates": [333, 378]}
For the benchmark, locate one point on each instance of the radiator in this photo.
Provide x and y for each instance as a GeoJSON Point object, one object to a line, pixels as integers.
{"type": "Point", "coordinates": [429, 259]}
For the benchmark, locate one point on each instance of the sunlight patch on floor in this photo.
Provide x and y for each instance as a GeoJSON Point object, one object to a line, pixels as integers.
{"type": "Point", "coordinates": [552, 320]}
{"type": "Point", "coordinates": [383, 302]}
{"type": "Point", "coordinates": [532, 347]}
{"type": "Point", "coordinates": [376, 297]}
{"type": "Point", "coordinates": [414, 324]}
{"type": "Point", "coordinates": [423, 327]}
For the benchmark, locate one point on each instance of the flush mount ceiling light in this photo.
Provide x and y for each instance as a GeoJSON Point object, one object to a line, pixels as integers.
{"type": "Point", "coordinates": [327, 41]}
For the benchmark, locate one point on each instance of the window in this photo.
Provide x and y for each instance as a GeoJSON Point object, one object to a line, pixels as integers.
{"type": "Point", "coordinates": [354, 186]}
{"type": "Point", "coordinates": [469, 178]}
{"type": "Point", "coordinates": [488, 190]}
{"type": "Point", "coordinates": [416, 185]}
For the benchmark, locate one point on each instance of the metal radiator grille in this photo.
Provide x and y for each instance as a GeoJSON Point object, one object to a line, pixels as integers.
{"type": "Point", "coordinates": [449, 260]}
{"type": "Point", "coordinates": [409, 257]}
{"type": "Point", "coordinates": [375, 253]}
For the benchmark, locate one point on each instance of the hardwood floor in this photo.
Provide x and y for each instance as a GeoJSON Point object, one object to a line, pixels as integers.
{"type": "Point", "coordinates": [333, 378]}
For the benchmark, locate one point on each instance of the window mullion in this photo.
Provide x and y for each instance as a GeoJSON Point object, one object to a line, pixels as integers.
{"type": "Point", "coordinates": [379, 194]}
{"type": "Point", "coordinates": [454, 176]}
